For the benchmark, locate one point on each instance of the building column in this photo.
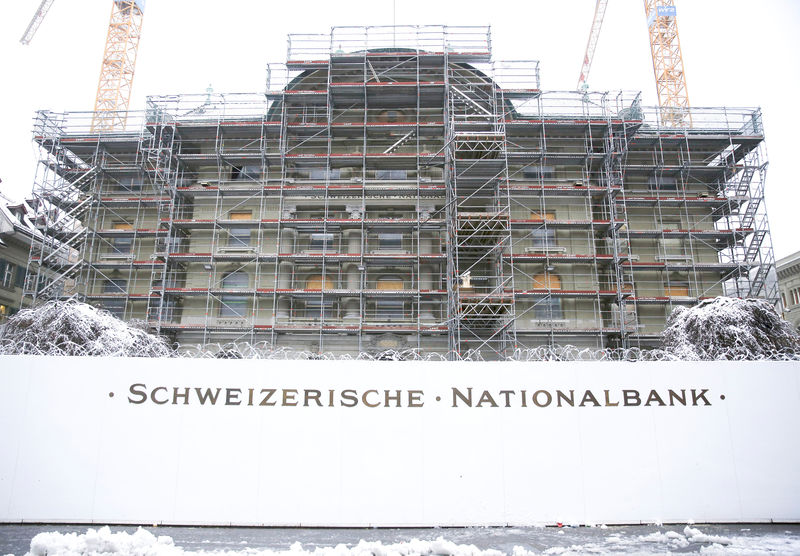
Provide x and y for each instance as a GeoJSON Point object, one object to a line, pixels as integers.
{"type": "Point", "coordinates": [353, 238]}
{"type": "Point", "coordinates": [425, 243]}
{"type": "Point", "coordinates": [288, 236]}
{"type": "Point", "coordinates": [284, 283]}
{"type": "Point", "coordinates": [352, 283]}
{"type": "Point", "coordinates": [426, 308]}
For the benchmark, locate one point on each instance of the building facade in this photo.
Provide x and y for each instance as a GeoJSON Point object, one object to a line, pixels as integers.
{"type": "Point", "coordinates": [789, 283]}
{"type": "Point", "coordinates": [398, 188]}
{"type": "Point", "coordinates": [16, 235]}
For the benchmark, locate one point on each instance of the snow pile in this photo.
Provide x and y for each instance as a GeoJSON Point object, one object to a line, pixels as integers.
{"type": "Point", "coordinates": [731, 329]}
{"type": "Point", "coordinates": [103, 542]}
{"type": "Point", "coordinates": [74, 328]}
{"type": "Point", "coordinates": [696, 535]}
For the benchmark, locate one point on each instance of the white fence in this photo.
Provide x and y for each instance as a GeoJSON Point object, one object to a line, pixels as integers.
{"type": "Point", "coordinates": [342, 443]}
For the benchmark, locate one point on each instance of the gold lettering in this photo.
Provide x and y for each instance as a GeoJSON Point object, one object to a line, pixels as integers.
{"type": "Point", "coordinates": [609, 403]}
{"type": "Point", "coordinates": [364, 399]}
{"type": "Point", "coordinates": [265, 400]}
{"type": "Point", "coordinates": [289, 397]}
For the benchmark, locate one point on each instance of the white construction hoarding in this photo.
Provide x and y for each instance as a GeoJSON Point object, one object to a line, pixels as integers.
{"type": "Point", "coordinates": [343, 443]}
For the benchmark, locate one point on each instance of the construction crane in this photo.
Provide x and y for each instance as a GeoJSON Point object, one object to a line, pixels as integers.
{"type": "Point", "coordinates": [665, 46]}
{"type": "Point", "coordinates": [594, 34]}
{"type": "Point", "coordinates": [119, 61]}
{"type": "Point", "coordinates": [118, 66]}
{"type": "Point", "coordinates": [33, 26]}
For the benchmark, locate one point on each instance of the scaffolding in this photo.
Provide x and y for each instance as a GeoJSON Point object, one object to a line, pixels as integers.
{"type": "Point", "coordinates": [396, 188]}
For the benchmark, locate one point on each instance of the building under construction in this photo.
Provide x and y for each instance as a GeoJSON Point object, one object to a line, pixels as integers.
{"type": "Point", "coordinates": [398, 188]}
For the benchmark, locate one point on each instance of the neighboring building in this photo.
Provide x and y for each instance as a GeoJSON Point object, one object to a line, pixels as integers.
{"type": "Point", "coordinates": [16, 233]}
{"type": "Point", "coordinates": [789, 284]}
{"type": "Point", "coordinates": [396, 188]}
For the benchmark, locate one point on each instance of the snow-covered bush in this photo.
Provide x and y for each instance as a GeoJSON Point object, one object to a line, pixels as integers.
{"type": "Point", "coordinates": [729, 328]}
{"type": "Point", "coordinates": [722, 328]}
{"type": "Point", "coordinates": [74, 328]}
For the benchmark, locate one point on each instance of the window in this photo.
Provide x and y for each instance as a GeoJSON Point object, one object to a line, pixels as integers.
{"type": "Point", "coordinates": [122, 245]}
{"type": "Point", "coordinates": [389, 309]}
{"type": "Point", "coordinates": [321, 242]}
{"type": "Point", "coordinates": [115, 286]}
{"type": "Point", "coordinates": [168, 311]}
{"type": "Point", "coordinates": [543, 237]}
{"type": "Point", "coordinates": [324, 173]}
{"type": "Point", "coordinates": [239, 237]}
{"type": "Point", "coordinates": [390, 283]}
{"type": "Point", "coordinates": [677, 289]}
{"type": "Point", "coordinates": [391, 116]}
{"type": "Point", "coordinates": [234, 306]}
{"type": "Point", "coordinates": [20, 283]}
{"type": "Point", "coordinates": [538, 172]}
{"type": "Point", "coordinates": [318, 309]}
{"type": "Point", "coordinates": [246, 172]}
{"type": "Point", "coordinates": [391, 174]}
{"type": "Point", "coordinates": [662, 183]}
{"type": "Point", "coordinates": [548, 308]}
{"type": "Point", "coordinates": [672, 247]}
{"type": "Point", "coordinates": [543, 216]}
{"type": "Point", "coordinates": [795, 296]}
{"type": "Point", "coordinates": [129, 184]}
{"type": "Point", "coordinates": [318, 282]}
{"type": "Point", "coordinates": [6, 274]}
{"type": "Point", "coordinates": [546, 281]}
{"type": "Point", "coordinates": [390, 241]}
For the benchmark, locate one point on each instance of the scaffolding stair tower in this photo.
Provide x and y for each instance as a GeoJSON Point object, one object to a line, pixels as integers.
{"type": "Point", "coordinates": [481, 311]}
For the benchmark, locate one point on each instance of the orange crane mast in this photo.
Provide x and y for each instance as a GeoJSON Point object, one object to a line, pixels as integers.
{"type": "Point", "coordinates": [119, 61]}
{"type": "Point", "coordinates": [118, 66]}
{"type": "Point", "coordinates": [665, 47]}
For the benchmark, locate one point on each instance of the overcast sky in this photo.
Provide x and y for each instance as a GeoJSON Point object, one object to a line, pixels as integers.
{"type": "Point", "coordinates": [736, 53]}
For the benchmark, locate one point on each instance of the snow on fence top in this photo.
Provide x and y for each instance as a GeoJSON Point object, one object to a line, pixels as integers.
{"type": "Point", "coordinates": [719, 329]}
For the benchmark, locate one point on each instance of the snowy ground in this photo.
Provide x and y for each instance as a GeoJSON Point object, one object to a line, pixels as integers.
{"type": "Point", "coordinates": [52, 540]}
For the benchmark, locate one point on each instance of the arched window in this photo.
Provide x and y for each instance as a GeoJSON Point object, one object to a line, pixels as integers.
{"type": "Point", "coordinates": [318, 282]}
{"type": "Point", "coordinates": [234, 306]}
{"type": "Point", "coordinates": [390, 283]}
{"type": "Point", "coordinates": [677, 289]}
{"type": "Point", "coordinates": [546, 281]}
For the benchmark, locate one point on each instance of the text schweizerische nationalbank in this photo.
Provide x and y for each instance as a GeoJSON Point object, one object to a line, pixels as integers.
{"type": "Point", "coordinates": [455, 397]}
